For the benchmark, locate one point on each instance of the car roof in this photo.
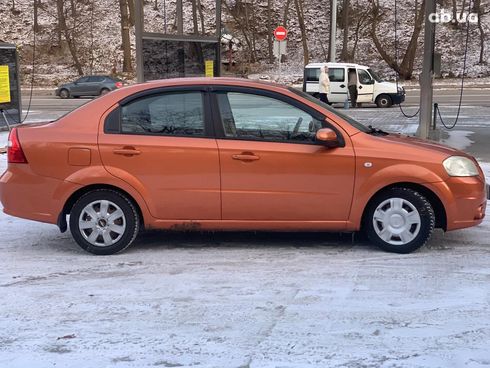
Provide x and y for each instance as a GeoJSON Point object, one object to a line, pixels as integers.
{"type": "Point", "coordinates": [333, 65]}
{"type": "Point", "coordinates": [213, 81]}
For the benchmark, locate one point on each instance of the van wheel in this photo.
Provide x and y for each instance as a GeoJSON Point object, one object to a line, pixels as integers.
{"type": "Point", "coordinates": [384, 101]}
{"type": "Point", "coordinates": [399, 220]}
{"type": "Point", "coordinates": [104, 222]}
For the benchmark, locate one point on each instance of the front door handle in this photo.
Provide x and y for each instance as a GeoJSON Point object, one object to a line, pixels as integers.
{"type": "Point", "coordinates": [360, 87]}
{"type": "Point", "coordinates": [126, 151]}
{"type": "Point", "coordinates": [342, 86]}
{"type": "Point", "coordinates": [245, 156]}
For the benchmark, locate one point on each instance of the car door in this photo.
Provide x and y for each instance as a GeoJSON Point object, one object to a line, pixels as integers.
{"type": "Point", "coordinates": [79, 87]}
{"type": "Point", "coordinates": [94, 85]}
{"type": "Point", "coordinates": [338, 84]}
{"type": "Point", "coordinates": [365, 85]}
{"type": "Point", "coordinates": [272, 169]}
{"type": "Point", "coordinates": [162, 144]}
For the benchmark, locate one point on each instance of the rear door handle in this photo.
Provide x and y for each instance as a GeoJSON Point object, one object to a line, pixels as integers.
{"type": "Point", "coordinates": [245, 157]}
{"type": "Point", "coordinates": [342, 86]}
{"type": "Point", "coordinates": [126, 151]}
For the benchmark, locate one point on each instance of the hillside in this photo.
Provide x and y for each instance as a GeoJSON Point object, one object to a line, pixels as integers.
{"type": "Point", "coordinates": [96, 30]}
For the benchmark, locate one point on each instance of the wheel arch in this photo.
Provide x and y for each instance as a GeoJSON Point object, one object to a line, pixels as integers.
{"type": "Point", "coordinates": [62, 223]}
{"type": "Point", "coordinates": [434, 200]}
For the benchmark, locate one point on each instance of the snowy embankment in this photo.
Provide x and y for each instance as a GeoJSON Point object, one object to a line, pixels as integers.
{"type": "Point", "coordinates": [242, 300]}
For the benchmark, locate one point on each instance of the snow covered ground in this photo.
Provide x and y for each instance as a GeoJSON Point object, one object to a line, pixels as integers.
{"type": "Point", "coordinates": [242, 300]}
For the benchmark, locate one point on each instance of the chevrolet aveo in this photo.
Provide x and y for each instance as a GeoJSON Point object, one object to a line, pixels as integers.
{"type": "Point", "coordinates": [231, 154]}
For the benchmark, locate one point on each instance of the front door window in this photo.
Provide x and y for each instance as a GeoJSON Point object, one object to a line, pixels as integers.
{"type": "Point", "coordinates": [255, 117]}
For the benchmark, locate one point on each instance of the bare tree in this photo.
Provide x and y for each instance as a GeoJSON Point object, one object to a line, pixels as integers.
{"type": "Point", "coordinates": [298, 4]}
{"type": "Point", "coordinates": [405, 69]}
{"type": "Point", "coordinates": [344, 55]}
{"type": "Point", "coordinates": [68, 36]}
{"type": "Point", "coordinates": [126, 42]}
{"type": "Point", "coordinates": [269, 31]}
{"type": "Point", "coordinates": [285, 17]}
{"type": "Point", "coordinates": [478, 9]}
{"type": "Point", "coordinates": [201, 16]}
{"type": "Point", "coordinates": [36, 18]}
{"type": "Point", "coordinates": [236, 11]}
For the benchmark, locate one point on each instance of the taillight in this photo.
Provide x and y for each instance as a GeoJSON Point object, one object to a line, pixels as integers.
{"type": "Point", "coordinates": [119, 84]}
{"type": "Point", "coordinates": [15, 155]}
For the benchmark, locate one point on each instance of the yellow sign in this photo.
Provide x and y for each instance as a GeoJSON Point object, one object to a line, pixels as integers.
{"type": "Point", "coordinates": [4, 84]}
{"type": "Point", "coordinates": [209, 68]}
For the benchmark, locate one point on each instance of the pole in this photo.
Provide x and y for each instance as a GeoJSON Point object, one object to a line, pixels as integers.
{"type": "Point", "coordinates": [333, 30]}
{"type": "Point", "coordinates": [6, 120]}
{"type": "Point", "coordinates": [138, 32]}
{"type": "Point", "coordinates": [280, 57]}
{"type": "Point", "coordinates": [426, 88]}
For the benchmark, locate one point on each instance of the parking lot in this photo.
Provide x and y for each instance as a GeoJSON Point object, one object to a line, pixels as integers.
{"type": "Point", "coordinates": [246, 299]}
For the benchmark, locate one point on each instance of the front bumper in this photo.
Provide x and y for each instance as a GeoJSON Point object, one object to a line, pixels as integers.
{"type": "Point", "coordinates": [464, 199]}
{"type": "Point", "coordinates": [397, 98]}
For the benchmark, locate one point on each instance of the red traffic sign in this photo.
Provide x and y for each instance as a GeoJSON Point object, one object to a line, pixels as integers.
{"type": "Point", "coordinates": [280, 33]}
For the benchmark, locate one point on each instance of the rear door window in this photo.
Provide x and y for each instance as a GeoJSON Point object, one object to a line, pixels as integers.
{"type": "Point", "coordinates": [172, 114]}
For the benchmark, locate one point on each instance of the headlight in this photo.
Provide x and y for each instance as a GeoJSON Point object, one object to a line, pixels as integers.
{"type": "Point", "coordinates": [401, 90]}
{"type": "Point", "coordinates": [460, 166]}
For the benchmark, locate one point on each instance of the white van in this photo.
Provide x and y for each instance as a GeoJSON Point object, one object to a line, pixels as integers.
{"type": "Point", "coordinates": [371, 88]}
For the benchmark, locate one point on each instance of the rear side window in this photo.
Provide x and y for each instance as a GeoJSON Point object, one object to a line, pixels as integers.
{"type": "Point", "coordinates": [312, 74]}
{"type": "Point", "coordinates": [174, 114]}
{"type": "Point", "coordinates": [336, 74]}
{"type": "Point", "coordinates": [96, 78]}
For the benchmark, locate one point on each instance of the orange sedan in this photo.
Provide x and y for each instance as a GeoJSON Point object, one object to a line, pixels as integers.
{"type": "Point", "coordinates": [232, 154]}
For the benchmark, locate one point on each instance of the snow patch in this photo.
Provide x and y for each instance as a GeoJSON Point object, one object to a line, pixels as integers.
{"type": "Point", "coordinates": [458, 139]}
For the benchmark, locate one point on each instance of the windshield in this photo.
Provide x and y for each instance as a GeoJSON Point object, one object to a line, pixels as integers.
{"type": "Point", "coordinates": [376, 77]}
{"type": "Point", "coordinates": [316, 101]}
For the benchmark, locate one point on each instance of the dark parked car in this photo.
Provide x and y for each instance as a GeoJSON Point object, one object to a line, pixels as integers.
{"type": "Point", "coordinates": [91, 85]}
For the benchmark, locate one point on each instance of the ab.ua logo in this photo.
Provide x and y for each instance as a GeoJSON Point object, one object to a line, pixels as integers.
{"type": "Point", "coordinates": [446, 17]}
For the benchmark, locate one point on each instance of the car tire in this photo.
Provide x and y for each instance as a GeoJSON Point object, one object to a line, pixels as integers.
{"type": "Point", "coordinates": [104, 91]}
{"type": "Point", "coordinates": [64, 93]}
{"type": "Point", "coordinates": [104, 222]}
{"type": "Point", "coordinates": [384, 101]}
{"type": "Point", "coordinates": [399, 220]}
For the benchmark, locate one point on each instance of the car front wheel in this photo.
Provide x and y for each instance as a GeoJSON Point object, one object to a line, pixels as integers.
{"type": "Point", "coordinates": [399, 220]}
{"type": "Point", "coordinates": [104, 222]}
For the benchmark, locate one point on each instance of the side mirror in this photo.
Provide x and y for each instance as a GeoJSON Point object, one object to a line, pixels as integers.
{"type": "Point", "coordinates": [328, 137]}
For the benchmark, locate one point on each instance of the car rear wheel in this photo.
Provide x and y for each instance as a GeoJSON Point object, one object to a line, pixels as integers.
{"type": "Point", "coordinates": [399, 220]}
{"type": "Point", "coordinates": [104, 222]}
{"type": "Point", "coordinates": [384, 101]}
{"type": "Point", "coordinates": [64, 93]}
{"type": "Point", "coordinates": [104, 91]}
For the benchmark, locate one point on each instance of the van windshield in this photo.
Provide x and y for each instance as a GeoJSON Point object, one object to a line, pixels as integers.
{"type": "Point", "coordinates": [375, 76]}
{"type": "Point", "coordinates": [348, 119]}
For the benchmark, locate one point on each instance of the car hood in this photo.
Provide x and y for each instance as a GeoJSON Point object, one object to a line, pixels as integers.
{"type": "Point", "coordinates": [424, 145]}
{"type": "Point", "coordinates": [388, 86]}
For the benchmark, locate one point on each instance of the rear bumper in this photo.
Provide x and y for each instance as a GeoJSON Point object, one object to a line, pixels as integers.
{"type": "Point", "coordinates": [464, 199]}
{"type": "Point", "coordinates": [27, 195]}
